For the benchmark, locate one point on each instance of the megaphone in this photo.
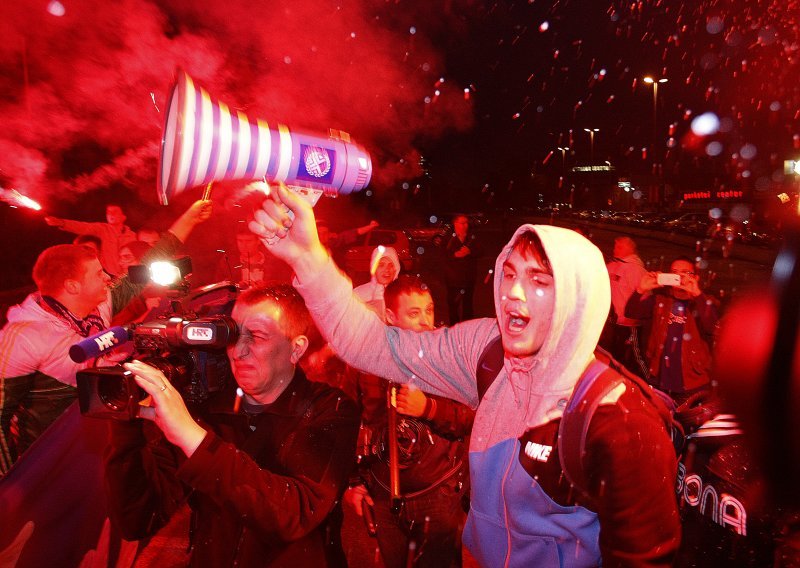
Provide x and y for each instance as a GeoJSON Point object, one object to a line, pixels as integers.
{"type": "Point", "coordinates": [204, 142]}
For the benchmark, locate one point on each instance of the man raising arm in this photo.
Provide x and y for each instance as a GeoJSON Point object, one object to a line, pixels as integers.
{"type": "Point", "coordinates": [552, 296]}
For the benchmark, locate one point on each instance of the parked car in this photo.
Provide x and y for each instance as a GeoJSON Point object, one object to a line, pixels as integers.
{"type": "Point", "coordinates": [695, 223]}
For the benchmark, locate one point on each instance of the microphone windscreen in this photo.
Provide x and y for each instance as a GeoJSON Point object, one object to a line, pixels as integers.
{"type": "Point", "coordinates": [99, 343]}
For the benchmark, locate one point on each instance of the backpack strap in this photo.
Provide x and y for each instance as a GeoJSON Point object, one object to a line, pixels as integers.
{"type": "Point", "coordinates": [662, 402]}
{"type": "Point", "coordinates": [490, 363]}
{"type": "Point", "coordinates": [603, 376]}
{"type": "Point", "coordinates": [593, 386]}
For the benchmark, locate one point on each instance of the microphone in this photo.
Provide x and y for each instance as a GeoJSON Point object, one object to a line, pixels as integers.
{"type": "Point", "coordinates": [97, 344]}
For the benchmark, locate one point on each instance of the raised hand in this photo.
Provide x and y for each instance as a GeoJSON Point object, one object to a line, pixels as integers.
{"type": "Point", "coordinates": [286, 225]}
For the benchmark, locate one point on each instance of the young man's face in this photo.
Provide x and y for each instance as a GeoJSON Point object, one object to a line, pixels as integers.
{"type": "Point", "coordinates": [414, 311]}
{"type": "Point", "coordinates": [262, 359]}
{"type": "Point", "coordinates": [527, 298]}
{"type": "Point", "coordinates": [93, 284]}
{"type": "Point", "coordinates": [114, 215]}
{"type": "Point", "coordinates": [386, 272]}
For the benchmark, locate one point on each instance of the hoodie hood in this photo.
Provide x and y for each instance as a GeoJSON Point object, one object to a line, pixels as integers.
{"type": "Point", "coordinates": [581, 306]}
{"type": "Point", "coordinates": [378, 254]}
{"type": "Point", "coordinates": [371, 293]}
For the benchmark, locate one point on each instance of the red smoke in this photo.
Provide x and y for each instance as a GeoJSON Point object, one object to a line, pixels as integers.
{"type": "Point", "coordinates": [80, 94]}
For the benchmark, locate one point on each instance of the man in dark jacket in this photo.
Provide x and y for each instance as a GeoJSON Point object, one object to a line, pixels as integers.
{"type": "Point", "coordinates": [432, 440]}
{"type": "Point", "coordinates": [461, 254]}
{"type": "Point", "coordinates": [263, 474]}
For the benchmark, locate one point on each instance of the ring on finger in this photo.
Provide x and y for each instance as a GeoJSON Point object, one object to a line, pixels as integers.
{"type": "Point", "coordinates": [163, 387]}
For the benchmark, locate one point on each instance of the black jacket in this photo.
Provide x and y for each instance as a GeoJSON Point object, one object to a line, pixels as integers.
{"type": "Point", "coordinates": [261, 486]}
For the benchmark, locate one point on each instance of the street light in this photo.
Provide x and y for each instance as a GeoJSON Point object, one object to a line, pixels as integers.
{"type": "Point", "coordinates": [563, 159]}
{"type": "Point", "coordinates": [650, 81]}
{"type": "Point", "coordinates": [563, 165]}
{"type": "Point", "coordinates": [591, 132]}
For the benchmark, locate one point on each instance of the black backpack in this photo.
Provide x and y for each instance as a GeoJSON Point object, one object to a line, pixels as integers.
{"type": "Point", "coordinates": [602, 377]}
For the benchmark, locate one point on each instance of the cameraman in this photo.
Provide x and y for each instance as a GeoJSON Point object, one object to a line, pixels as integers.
{"type": "Point", "coordinates": [262, 480]}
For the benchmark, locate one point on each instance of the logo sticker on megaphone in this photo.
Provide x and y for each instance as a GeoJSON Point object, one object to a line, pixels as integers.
{"type": "Point", "coordinates": [204, 142]}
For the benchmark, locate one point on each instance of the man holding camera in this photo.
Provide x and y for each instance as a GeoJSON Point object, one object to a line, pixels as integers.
{"type": "Point", "coordinates": [73, 301]}
{"type": "Point", "coordinates": [262, 474]}
{"type": "Point", "coordinates": [682, 322]}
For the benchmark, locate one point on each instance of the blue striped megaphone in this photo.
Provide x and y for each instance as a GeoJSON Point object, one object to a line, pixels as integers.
{"type": "Point", "coordinates": [203, 141]}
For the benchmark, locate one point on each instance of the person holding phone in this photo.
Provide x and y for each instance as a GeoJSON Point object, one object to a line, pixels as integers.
{"type": "Point", "coordinates": [682, 321]}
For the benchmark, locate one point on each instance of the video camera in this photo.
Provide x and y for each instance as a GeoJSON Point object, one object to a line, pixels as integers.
{"type": "Point", "coordinates": [187, 345]}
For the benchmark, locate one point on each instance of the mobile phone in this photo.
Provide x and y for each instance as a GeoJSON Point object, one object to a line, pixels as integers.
{"type": "Point", "coordinates": [668, 279]}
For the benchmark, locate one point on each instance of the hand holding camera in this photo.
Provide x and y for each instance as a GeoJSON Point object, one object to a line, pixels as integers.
{"type": "Point", "coordinates": [166, 408]}
{"type": "Point", "coordinates": [688, 283]}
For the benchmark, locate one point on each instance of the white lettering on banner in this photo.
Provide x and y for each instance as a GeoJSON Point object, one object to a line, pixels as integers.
{"type": "Point", "coordinates": [538, 452]}
{"type": "Point", "coordinates": [105, 341]}
{"type": "Point", "coordinates": [725, 510]}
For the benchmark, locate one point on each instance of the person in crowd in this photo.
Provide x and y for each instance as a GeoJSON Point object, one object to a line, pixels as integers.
{"type": "Point", "coordinates": [433, 453]}
{"type": "Point", "coordinates": [552, 297]}
{"type": "Point", "coordinates": [148, 235]}
{"type": "Point", "coordinates": [461, 257]}
{"type": "Point", "coordinates": [113, 234]}
{"type": "Point", "coordinates": [682, 321]}
{"type": "Point", "coordinates": [262, 476]}
{"type": "Point", "coordinates": [90, 241]}
{"type": "Point", "coordinates": [334, 241]}
{"type": "Point", "coordinates": [253, 264]}
{"type": "Point", "coordinates": [384, 268]}
{"type": "Point", "coordinates": [74, 299]}
{"type": "Point", "coordinates": [338, 242]}
{"type": "Point", "coordinates": [625, 271]}
{"type": "Point", "coordinates": [132, 254]}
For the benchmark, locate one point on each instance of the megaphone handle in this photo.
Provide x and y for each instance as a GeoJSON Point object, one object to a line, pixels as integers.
{"type": "Point", "coordinates": [310, 195]}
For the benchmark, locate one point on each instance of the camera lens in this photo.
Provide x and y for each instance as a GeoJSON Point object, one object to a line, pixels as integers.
{"type": "Point", "coordinates": [115, 391]}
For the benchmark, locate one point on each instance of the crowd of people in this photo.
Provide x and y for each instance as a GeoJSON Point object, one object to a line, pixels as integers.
{"type": "Point", "coordinates": [356, 433]}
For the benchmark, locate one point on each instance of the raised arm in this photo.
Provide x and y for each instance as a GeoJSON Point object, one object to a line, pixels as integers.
{"type": "Point", "coordinates": [441, 362]}
{"type": "Point", "coordinates": [76, 227]}
{"type": "Point", "coordinates": [198, 212]}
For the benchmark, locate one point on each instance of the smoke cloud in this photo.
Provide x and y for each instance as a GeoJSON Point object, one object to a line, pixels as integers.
{"type": "Point", "coordinates": [84, 82]}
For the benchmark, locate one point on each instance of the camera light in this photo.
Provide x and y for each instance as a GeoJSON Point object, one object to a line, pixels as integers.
{"type": "Point", "coordinates": [164, 273]}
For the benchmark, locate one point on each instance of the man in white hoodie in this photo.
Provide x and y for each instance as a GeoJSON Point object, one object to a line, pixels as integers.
{"type": "Point", "coordinates": [73, 301]}
{"type": "Point", "coordinates": [552, 296]}
{"type": "Point", "coordinates": [384, 268]}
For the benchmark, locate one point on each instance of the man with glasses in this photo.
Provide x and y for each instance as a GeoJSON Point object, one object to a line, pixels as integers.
{"type": "Point", "coordinates": [682, 322]}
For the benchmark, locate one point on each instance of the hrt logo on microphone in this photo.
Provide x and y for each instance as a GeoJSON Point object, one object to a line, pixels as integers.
{"type": "Point", "coordinates": [106, 341]}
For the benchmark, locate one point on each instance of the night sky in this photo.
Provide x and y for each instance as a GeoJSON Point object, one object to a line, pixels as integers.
{"type": "Point", "coordinates": [486, 93]}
